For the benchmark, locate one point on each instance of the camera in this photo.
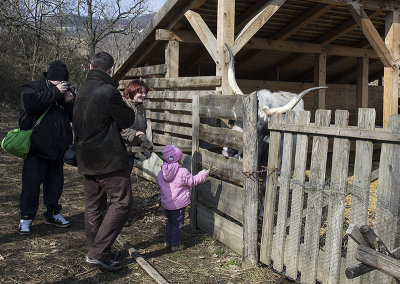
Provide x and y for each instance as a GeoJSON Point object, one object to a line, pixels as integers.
{"type": "Point", "coordinates": [72, 89]}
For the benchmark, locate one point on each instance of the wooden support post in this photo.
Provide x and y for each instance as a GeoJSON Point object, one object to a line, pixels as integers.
{"type": "Point", "coordinates": [195, 158]}
{"type": "Point", "coordinates": [250, 182]}
{"type": "Point", "coordinates": [172, 59]}
{"type": "Point", "coordinates": [319, 80]}
{"type": "Point", "coordinates": [362, 82]}
{"type": "Point", "coordinates": [225, 34]}
{"type": "Point", "coordinates": [391, 74]}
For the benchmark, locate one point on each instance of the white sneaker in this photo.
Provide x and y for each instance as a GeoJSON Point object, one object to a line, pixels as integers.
{"type": "Point", "coordinates": [25, 227]}
{"type": "Point", "coordinates": [57, 220]}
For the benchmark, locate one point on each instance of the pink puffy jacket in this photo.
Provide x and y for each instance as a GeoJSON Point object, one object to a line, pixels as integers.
{"type": "Point", "coordinates": [175, 182]}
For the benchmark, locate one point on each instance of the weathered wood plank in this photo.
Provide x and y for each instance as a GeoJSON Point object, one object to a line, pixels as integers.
{"type": "Point", "coordinates": [166, 140]}
{"type": "Point", "coordinates": [337, 198]}
{"type": "Point", "coordinates": [361, 184]}
{"type": "Point", "coordinates": [180, 118]}
{"type": "Point", "coordinates": [160, 69]}
{"type": "Point", "coordinates": [270, 193]}
{"type": "Point", "coordinates": [315, 199]}
{"type": "Point", "coordinates": [194, 164]}
{"type": "Point", "coordinates": [250, 183]}
{"type": "Point", "coordinates": [224, 230]}
{"type": "Point", "coordinates": [229, 107]}
{"type": "Point", "coordinates": [180, 82]}
{"type": "Point", "coordinates": [387, 217]}
{"type": "Point", "coordinates": [184, 95]}
{"type": "Point", "coordinates": [227, 169]}
{"type": "Point", "coordinates": [292, 262]}
{"type": "Point", "coordinates": [283, 203]}
{"type": "Point", "coordinates": [167, 105]}
{"type": "Point", "coordinates": [225, 197]}
{"type": "Point", "coordinates": [350, 132]}
{"type": "Point", "coordinates": [222, 136]}
{"type": "Point", "coordinates": [174, 129]}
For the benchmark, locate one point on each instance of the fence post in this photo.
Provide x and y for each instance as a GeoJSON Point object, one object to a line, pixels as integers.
{"type": "Point", "coordinates": [195, 157]}
{"type": "Point", "coordinates": [250, 182]}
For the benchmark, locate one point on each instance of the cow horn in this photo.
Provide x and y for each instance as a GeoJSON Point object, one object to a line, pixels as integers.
{"type": "Point", "coordinates": [231, 73]}
{"type": "Point", "coordinates": [292, 103]}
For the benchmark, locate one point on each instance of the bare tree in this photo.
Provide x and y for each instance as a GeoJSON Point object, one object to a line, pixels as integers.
{"type": "Point", "coordinates": [101, 19]}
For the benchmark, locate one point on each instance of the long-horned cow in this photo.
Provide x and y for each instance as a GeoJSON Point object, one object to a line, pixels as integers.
{"type": "Point", "coordinates": [268, 103]}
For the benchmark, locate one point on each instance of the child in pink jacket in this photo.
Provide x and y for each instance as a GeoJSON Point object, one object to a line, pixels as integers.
{"type": "Point", "coordinates": [175, 181]}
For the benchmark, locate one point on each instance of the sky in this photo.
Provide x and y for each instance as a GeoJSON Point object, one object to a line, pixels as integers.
{"type": "Point", "coordinates": [155, 5]}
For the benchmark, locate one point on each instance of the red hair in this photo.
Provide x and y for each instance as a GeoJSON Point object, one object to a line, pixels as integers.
{"type": "Point", "coordinates": [134, 87]}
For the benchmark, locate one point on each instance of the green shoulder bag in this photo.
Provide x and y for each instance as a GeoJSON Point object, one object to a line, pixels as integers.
{"type": "Point", "coordinates": [18, 142]}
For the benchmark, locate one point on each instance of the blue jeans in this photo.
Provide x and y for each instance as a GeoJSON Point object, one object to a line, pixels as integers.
{"type": "Point", "coordinates": [174, 226]}
{"type": "Point", "coordinates": [131, 163]}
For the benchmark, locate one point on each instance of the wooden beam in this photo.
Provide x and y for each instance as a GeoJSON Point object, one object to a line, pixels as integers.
{"type": "Point", "coordinates": [172, 59]}
{"type": "Point", "coordinates": [249, 14]}
{"type": "Point", "coordinates": [371, 34]}
{"type": "Point", "coordinates": [307, 17]}
{"type": "Point", "coordinates": [205, 35]}
{"type": "Point", "coordinates": [320, 80]}
{"type": "Point", "coordinates": [146, 71]}
{"type": "Point", "coordinates": [256, 23]}
{"type": "Point", "coordinates": [391, 75]}
{"type": "Point", "coordinates": [386, 5]}
{"type": "Point", "coordinates": [181, 82]}
{"type": "Point", "coordinates": [225, 35]}
{"type": "Point", "coordinates": [362, 82]}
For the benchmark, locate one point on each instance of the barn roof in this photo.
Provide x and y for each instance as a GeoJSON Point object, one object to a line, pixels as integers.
{"type": "Point", "coordinates": [282, 49]}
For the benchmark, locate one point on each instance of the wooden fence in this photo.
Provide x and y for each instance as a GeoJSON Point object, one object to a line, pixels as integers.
{"type": "Point", "coordinates": [304, 219]}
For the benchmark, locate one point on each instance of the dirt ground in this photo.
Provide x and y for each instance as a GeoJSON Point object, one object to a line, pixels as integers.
{"type": "Point", "coordinates": [56, 255]}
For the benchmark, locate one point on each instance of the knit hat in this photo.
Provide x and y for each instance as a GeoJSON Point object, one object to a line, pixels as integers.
{"type": "Point", "coordinates": [171, 154]}
{"type": "Point", "coordinates": [57, 71]}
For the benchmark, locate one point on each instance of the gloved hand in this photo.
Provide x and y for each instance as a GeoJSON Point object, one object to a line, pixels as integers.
{"type": "Point", "coordinates": [146, 143]}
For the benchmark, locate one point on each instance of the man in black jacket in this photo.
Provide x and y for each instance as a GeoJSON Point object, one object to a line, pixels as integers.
{"type": "Point", "coordinates": [44, 163]}
{"type": "Point", "coordinates": [99, 115]}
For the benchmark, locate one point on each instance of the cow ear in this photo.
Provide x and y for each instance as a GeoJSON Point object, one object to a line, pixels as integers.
{"type": "Point", "coordinates": [263, 113]}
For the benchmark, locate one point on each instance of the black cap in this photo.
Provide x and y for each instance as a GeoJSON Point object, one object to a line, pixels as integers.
{"type": "Point", "coordinates": [57, 71]}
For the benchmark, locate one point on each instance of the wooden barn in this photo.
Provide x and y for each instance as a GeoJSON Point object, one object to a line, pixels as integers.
{"type": "Point", "coordinates": [345, 134]}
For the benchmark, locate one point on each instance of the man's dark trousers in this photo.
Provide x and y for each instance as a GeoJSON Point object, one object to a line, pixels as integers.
{"type": "Point", "coordinates": [35, 172]}
{"type": "Point", "coordinates": [102, 230]}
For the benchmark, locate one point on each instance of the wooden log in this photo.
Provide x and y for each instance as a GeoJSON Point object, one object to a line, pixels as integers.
{"type": "Point", "coordinates": [380, 261]}
{"type": "Point", "coordinates": [194, 164]}
{"type": "Point", "coordinates": [229, 107]}
{"type": "Point", "coordinates": [181, 82]}
{"type": "Point", "coordinates": [354, 232]}
{"type": "Point", "coordinates": [222, 136]}
{"type": "Point", "coordinates": [369, 236]}
{"type": "Point", "coordinates": [158, 149]}
{"type": "Point", "coordinates": [141, 261]}
{"type": "Point", "coordinates": [250, 183]}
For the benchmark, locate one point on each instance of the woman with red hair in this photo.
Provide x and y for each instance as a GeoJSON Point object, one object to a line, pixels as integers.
{"type": "Point", "coordinates": [134, 95]}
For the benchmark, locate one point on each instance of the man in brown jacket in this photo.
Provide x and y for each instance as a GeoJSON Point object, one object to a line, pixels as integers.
{"type": "Point", "coordinates": [99, 115]}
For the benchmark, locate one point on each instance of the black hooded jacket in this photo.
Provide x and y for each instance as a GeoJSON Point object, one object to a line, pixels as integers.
{"type": "Point", "coordinates": [52, 136]}
{"type": "Point", "coordinates": [99, 115]}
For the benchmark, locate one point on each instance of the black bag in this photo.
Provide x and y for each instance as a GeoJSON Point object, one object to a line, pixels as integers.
{"type": "Point", "coordinates": [70, 156]}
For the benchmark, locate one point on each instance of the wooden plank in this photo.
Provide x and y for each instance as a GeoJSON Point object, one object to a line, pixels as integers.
{"type": "Point", "coordinates": [227, 169]}
{"type": "Point", "coordinates": [195, 154]}
{"type": "Point", "coordinates": [315, 199]}
{"type": "Point", "coordinates": [337, 198]}
{"type": "Point", "coordinates": [168, 105]}
{"type": "Point", "coordinates": [205, 35]}
{"type": "Point", "coordinates": [350, 132]}
{"type": "Point", "coordinates": [250, 183]}
{"type": "Point", "coordinates": [170, 128]}
{"type": "Point", "coordinates": [160, 69]}
{"type": "Point", "coordinates": [320, 80]}
{"type": "Point", "coordinates": [270, 193]}
{"type": "Point", "coordinates": [225, 197]}
{"type": "Point", "coordinates": [229, 107]}
{"type": "Point", "coordinates": [181, 82]}
{"type": "Point", "coordinates": [391, 75]}
{"type": "Point", "coordinates": [184, 95]}
{"type": "Point", "coordinates": [179, 118]}
{"type": "Point", "coordinates": [362, 82]}
{"type": "Point", "coordinates": [361, 184]}
{"type": "Point", "coordinates": [371, 34]}
{"type": "Point", "coordinates": [354, 232]}
{"type": "Point", "coordinates": [255, 24]}
{"type": "Point", "coordinates": [224, 230]}
{"type": "Point", "coordinates": [387, 5]}
{"type": "Point", "coordinates": [166, 140]}
{"type": "Point", "coordinates": [283, 203]}
{"type": "Point", "coordinates": [172, 59]}
{"type": "Point", "coordinates": [387, 218]}
{"type": "Point", "coordinates": [292, 262]}
{"type": "Point", "coordinates": [222, 136]}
